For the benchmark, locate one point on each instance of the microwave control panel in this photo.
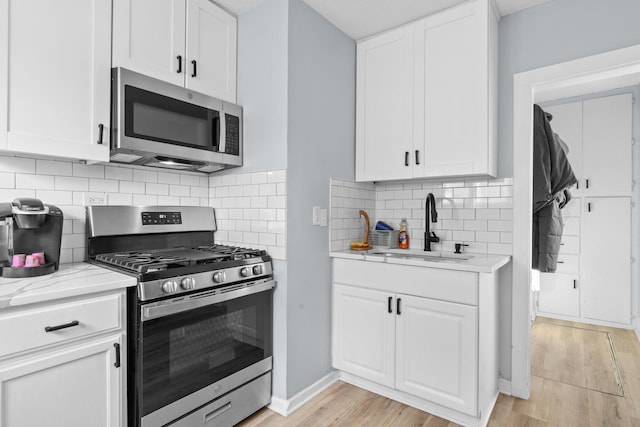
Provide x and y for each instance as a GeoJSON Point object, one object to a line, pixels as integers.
{"type": "Point", "coordinates": [232, 140]}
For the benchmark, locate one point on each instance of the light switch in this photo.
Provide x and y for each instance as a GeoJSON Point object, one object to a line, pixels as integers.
{"type": "Point", "coordinates": [323, 218]}
{"type": "Point", "coordinates": [316, 215]}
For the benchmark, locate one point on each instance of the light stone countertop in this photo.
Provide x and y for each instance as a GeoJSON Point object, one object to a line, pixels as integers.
{"type": "Point", "coordinates": [69, 281]}
{"type": "Point", "coordinates": [479, 263]}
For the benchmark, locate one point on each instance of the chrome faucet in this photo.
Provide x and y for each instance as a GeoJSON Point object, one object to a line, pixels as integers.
{"type": "Point", "coordinates": [430, 236]}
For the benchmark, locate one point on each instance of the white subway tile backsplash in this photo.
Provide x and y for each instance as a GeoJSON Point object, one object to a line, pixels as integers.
{"type": "Point", "coordinates": [278, 176]}
{"type": "Point", "coordinates": [191, 201]}
{"type": "Point", "coordinates": [157, 189]}
{"type": "Point", "coordinates": [119, 173]}
{"type": "Point", "coordinates": [255, 205]}
{"type": "Point", "coordinates": [17, 165]}
{"type": "Point", "coordinates": [71, 183]}
{"type": "Point", "coordinates": [88, 171]}
{"type": "Point", "coordinates": [179, 190]}
{"type": "Point", "coordinates": [7, 180]}
{"type": "Point", "coordinates": [144, 199]}
{"type": "Point", "coordinates": [131, 187]}
{"type": "Point", "coordinates": [168, 178]}
{"type": "Point", "coordinates": [168, 201]}
{"type": "Point", "coordinates": [53, 167]}
{"type": "Point", "coordinates": [259, 178]}
{"type": "Point", "coordinates": [9, 194]}
{"type": "Point", "coordinates": [44, 182]}
{"type": "Point", "coordinates": [55, 197]}
{"type": "Point", "coordinates": [143, 175]}
{"type": "Point", "coordinates": [119, 199]}
{"type": "Point", "coordinates": [193, 180]}
{"type": "Point", "coordinates": [105, 185]}
{"type": "Point", "coordinates": [474, 211]}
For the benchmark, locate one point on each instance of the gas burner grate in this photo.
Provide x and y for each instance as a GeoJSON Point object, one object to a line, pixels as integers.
{"type": "Point", "coordinates": [143, 262]}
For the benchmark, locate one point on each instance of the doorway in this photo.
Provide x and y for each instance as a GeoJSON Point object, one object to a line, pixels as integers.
{"type": "Point", "coordinates": [596, 73]}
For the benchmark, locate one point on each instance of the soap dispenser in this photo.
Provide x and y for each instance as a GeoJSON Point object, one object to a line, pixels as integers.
{"type": "Point", "coordinates": [403, 236]}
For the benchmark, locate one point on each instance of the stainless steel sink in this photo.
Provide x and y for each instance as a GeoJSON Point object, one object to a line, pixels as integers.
{"type": "Point", "coordinates": [426, 256]}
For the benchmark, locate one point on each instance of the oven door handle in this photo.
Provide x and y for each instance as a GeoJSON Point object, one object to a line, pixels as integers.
{"type": "Point", "coordinates": [179, 305]}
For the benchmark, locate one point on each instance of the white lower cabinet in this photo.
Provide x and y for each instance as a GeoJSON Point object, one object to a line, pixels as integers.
{"type": "Point", "coordinates": [75, 386]}
{"type": "Point", "coordinates": [436, 356]}
{"type": "Point", "coordinates": [65, 366]}
{"type": "Point", "coordinates": [420, 333]}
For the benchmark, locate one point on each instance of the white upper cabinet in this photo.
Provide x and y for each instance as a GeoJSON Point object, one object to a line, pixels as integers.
{"type": "Point", "coordinates": [191, 43]}
{"type": "Point", "coordinates": [384, 113]}
{"type": "Point", "coordinates": [55, 60]}
{"type": "Point", "coordinates": [436, 113]}
{"type": "Point", "coordinates": [598, 134]}
{"type": "Point", "coordinates": [149, 37]}
{"type": "Point", "coordinates": [606, 145]}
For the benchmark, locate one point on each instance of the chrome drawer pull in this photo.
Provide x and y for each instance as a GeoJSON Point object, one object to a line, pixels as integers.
{"type": "Point", "coordinates": [58, 327]}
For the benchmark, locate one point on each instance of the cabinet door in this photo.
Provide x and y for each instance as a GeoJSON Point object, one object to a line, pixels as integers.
{"type": "Point", "coordinates": [559, 294]}
{"type": "Point", "coordinates": [149, 37]}
{"type": "Point", "coordinates": [567, 123]}
{"type": "Point", "coordinates": [384, 107]}
{"type": "Point", "coordinates": [452, 95]}
{"type": "Point", "coordinates": [363, 333]}
{"type": "Point", "coordinates": [55, 68]}
{"type": "Point", "coordinates": [211, 50]}
{"type": "Point", "coordinates": [77, 386]}
{"type": "Point", "coordinates": [605, 268]}
{"type": "Point", "coordinates": [607, 143]}
{"type": "Point", "coordinates": [437, 352]}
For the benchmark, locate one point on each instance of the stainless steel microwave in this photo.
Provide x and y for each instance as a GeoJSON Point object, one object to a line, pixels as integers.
{"type": "Point", "coordinates": [155, 123]}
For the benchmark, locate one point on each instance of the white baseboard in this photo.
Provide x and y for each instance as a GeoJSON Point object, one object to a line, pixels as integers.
{"type": "Point", "coordinates": [286, 407]}
{"type": "Point", "coordinates": [504, 386]}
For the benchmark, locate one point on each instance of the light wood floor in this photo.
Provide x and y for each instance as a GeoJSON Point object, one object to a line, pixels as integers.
{"type": "Point", "coordinates": [552, 403]}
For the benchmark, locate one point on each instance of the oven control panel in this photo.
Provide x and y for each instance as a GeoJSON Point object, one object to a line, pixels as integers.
{"type": "Point", "coordinates": [160, 218]}
{"type": "Point", "coordinates": [200, 281]}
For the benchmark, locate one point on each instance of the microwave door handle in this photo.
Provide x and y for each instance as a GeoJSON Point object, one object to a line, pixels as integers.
{"type": "Point", "coordinates": [215, 133]}
{"type": "Point", "coordinates": [222, 143]}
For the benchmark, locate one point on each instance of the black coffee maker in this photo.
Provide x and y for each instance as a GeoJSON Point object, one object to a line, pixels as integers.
{"type": "Point", "coordinates": [34, 230]}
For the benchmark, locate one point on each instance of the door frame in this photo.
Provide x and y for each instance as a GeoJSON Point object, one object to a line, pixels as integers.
{"type": "Point", "coordinates": [595, 73]}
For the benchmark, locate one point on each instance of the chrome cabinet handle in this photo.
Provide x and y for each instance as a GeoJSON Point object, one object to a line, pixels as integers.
{"type": "Point", "coordinates": [64, 326]}
{"type": "Point", "coordinates": [179, 58]}
{"type": "Point", "coordinates": [417, 158]}
{"type": "Point", "coordinates": [194, 68]}
{"type": "Point", "coordinates": [406, 158]}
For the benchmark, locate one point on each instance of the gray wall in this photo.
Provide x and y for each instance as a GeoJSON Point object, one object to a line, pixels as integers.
{"type": "Point", "coordinates": [262, 85]}
{"type": "Point", "coordinates": [321, 146]}
{"type": "Point", "coordinates": [296, 83]}
{"type": "Point", "coordinates": [554, 32]}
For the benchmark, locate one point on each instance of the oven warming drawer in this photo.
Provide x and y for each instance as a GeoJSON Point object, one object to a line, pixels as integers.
{"type": "Point", "coordinates": [231, 408]}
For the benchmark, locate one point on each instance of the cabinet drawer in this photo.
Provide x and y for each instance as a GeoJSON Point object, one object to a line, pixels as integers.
{"type": "Point", "coordinates": [567, 264]}
{"type": "Point", "coordinates": [435, 283]}
{"type": "Point", "coordinates": [25, 330]}
{"type": "Point", "coordinates": [570, 245]}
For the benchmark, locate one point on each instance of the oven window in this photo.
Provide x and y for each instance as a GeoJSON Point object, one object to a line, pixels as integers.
{"type": "Point", "coordinates": [185, 352]}
{"type": "Point", "coordinates": [159, 118]}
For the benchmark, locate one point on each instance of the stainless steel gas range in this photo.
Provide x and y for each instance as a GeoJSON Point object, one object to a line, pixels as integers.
{"type": "Point", "coordinates": [199, 321]}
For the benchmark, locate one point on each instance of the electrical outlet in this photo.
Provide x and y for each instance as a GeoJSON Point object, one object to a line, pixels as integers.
{"type": "Point", "coordinates": [94, 199]}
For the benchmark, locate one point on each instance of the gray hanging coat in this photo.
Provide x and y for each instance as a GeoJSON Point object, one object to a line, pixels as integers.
{"type": "Point", "coordinates": [552, 176]}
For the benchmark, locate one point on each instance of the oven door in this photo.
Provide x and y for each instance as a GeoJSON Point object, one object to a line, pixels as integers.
{"type": "Point", "coordinates": [195, 348]}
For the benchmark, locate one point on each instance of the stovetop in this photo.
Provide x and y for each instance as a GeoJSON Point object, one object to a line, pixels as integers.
{"type": "Point", "coordinates": [178, 258]}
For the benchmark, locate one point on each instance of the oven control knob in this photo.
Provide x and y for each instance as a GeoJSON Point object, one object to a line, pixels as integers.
{"type": "Point", "coordinates": [257, 269]}
{"type": "Point", "coordinates": [219, 277]}
{"type": "Point", "coordinates": [170, 286]}
{"type": "Point", "coordinates": [188, 283]}
{"type": "Point", "coordinates": [245, 271]}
